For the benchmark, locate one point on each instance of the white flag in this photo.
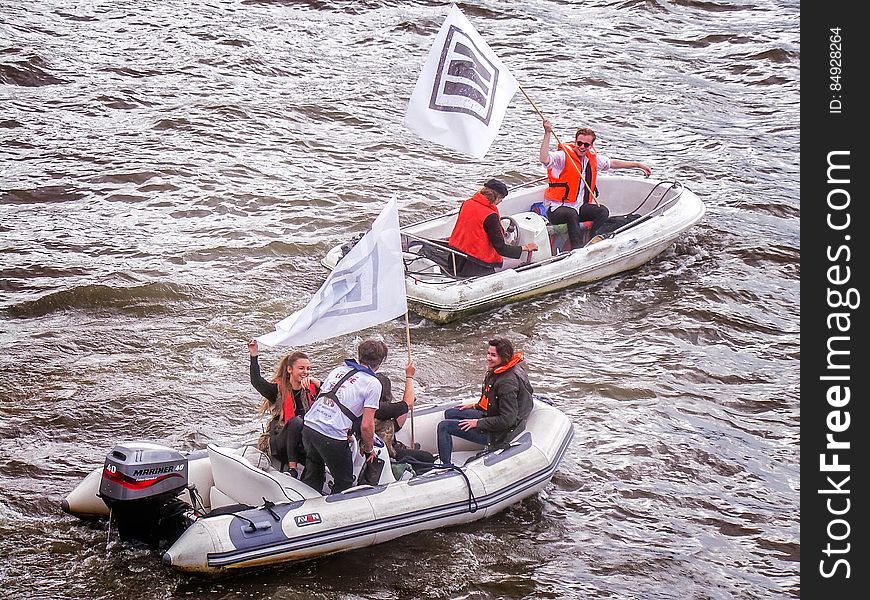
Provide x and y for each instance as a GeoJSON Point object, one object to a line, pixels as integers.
{"type": "Point", "coordinates": [463, 91]}
{"type": "Point", "coordinates": [366, 288]}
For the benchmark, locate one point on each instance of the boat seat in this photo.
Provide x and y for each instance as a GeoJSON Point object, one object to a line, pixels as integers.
{"type": "Point", "coordinates": [439, 252]}
{"type": "Point", "coordinates": [217, 499]}
{"type": "Point", "coordinates": [559, 242]}
{"type": "Point", "coordinates": [246, 476]}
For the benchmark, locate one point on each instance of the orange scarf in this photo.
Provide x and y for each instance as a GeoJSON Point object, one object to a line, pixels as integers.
{"type": "Point", "coordinates": [514, 361]}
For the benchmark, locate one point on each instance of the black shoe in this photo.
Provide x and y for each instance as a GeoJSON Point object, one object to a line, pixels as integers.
{"type": "Point", "coordinates": [293, 472]}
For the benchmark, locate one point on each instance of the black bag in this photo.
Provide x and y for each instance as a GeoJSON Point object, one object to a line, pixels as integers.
{"type": "Point", "coordinates": [370, 474]}
{"type": "Point", "coordinates": [277, 440]}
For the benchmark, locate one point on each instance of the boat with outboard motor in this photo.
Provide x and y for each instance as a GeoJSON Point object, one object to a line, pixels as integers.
{"type": "Point", "coordinates": [646, 216]}
{"type": "Point", "coordinates": [227, 508]}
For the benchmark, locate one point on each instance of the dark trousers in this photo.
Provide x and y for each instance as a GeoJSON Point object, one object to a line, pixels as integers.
{"type": "Point", "coordinates": [286, 443]}
{"type": "Point", "coordinates": [322, 451]}
{"type": "Point", "coordinates": [469, 267]}
{"type": "Point", "coordinates": [295, 449]}
{"type": "Point", "coordinates": [596, 213]}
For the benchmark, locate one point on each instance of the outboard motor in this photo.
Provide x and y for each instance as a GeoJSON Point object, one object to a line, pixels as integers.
{"type": "Point", "coordinates": [141, 483]}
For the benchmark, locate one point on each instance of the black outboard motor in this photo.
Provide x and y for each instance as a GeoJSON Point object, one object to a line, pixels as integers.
{"type": "Point", "coordinates": [141, 483]}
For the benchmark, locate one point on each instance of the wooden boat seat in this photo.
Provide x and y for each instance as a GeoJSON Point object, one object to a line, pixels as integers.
{"type": "Point", "coordinates": [250, 479]}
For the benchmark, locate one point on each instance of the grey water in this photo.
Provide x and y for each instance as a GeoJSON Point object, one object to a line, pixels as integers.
{"type": "Point", "coordinates": [171, 174]}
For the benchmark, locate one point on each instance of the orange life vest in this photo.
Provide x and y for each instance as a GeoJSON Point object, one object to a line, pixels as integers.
{"type": "Point", "coordinates": [290, 403]}
{"type": "Point", "coordinates": [468, 234]}
{"type": "Point", "coordinates": [567, 185]}
{"type": "Point", "coordinates": [514, 361]}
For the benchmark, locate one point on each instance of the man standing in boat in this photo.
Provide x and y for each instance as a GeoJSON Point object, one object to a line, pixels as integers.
{"type": "Point", "coordinates": [349, 397]}
{"type": "Point", "coordinates": [478, 233]}
{"type": "Point", "coordinates": [505, 398]}
{"type": "Point", "coordinates": [572, 198]}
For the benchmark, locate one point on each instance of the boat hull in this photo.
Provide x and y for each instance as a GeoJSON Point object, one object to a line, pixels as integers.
{"type": "Point", "coordinates": [298, 527]}
{"type": "Point", "coordinates": [442, 306]}
{"type": "Point", "coordinates": [368, 515]}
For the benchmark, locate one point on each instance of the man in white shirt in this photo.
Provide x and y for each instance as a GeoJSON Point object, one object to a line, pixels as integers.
{"type": "Point", "coordinates": [327, 429]}
{"type": "Point", "coordinates": [572, 171]}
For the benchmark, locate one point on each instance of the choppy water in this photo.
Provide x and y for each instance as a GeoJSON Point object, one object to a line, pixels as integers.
{"type": "Point", "coordinates": [171, 174]}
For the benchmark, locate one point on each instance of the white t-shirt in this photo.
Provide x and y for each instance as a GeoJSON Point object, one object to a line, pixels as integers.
{"type": "Point", "coordinates": [557, 163]}
{"type": "Point", "coordinates": [361, 390]}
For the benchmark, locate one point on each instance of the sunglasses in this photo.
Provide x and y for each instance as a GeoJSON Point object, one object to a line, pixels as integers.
{"type": "Point", "coordinates": [583, 144]}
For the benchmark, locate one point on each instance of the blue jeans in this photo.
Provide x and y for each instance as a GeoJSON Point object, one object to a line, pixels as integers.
{"type": "Point", "coordinates": [450, 427]}
{"type": "Point", "coordinates": [464, 413]}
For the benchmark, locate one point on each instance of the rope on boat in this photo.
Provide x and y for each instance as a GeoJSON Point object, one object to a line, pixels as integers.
{"type": "Point", "coordinates": [472, 501]}
{"type": "Point", "coordinates": [195, 499]}
{"type": "Point", "coordinates": [673, 185]}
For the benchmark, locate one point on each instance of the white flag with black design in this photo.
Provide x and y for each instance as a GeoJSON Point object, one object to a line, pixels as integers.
{"type": "Point", "coordinates": [366, 288]}
{"type": "Point", "coordinates": [463, 92]}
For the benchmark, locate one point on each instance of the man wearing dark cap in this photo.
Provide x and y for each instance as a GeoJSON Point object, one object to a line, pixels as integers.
{"type": "Point", "coordinates": [478, 233]}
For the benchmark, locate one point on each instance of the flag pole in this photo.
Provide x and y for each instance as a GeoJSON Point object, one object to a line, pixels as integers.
{"type": "Point", "coordinates": [559, 142]}
{"type": "Point", "coordinates": [408, 339]}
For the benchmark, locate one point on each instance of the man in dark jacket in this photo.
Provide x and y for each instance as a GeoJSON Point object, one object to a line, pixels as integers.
{"type": "Point", "coordinates": [506, 399]}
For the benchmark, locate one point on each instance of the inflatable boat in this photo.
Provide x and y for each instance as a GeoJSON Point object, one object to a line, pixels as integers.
{"type": "Point", "coordinates": [646, 216]}
{"type": "Point", "coordinates": [227, 508]}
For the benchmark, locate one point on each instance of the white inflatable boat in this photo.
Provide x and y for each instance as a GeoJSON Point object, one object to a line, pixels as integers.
{"type": "Point", "coordinates": [646, 217]}
{"type": "Point", "coordinates": [228, 508]}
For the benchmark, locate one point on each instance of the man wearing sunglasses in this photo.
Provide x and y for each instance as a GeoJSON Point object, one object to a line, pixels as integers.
{"type": "Point", "coordinates": [571, 198]}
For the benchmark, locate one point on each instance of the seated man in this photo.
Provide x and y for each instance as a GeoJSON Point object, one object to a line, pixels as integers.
{"type": "Point", "coordinates": [478, 233]}
{"type": "Point", "coordinates": [508, 398]}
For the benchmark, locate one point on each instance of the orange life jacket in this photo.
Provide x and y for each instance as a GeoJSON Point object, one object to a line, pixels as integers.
{"type": "Point", "coordinates": [468, 234]}
{"type": "Point", "coordinates": [514, 361]}
{"type": "Point", "coordinates": [567, 185]}
{"type": "Point", "coordinates": [290, 403]}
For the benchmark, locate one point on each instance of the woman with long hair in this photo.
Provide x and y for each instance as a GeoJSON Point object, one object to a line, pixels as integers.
{"type": "Point", "coordinates": [286, 397]}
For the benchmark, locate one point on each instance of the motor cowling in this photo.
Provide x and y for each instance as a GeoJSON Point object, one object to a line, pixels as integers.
{"type": "Point", "coordinates": [141, 483]}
